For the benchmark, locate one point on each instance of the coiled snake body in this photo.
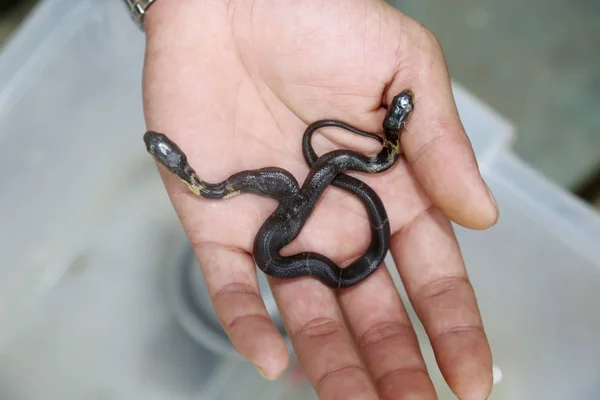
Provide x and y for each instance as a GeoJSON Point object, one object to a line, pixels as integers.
{"type": "Point", "coordinates": [296, 202]}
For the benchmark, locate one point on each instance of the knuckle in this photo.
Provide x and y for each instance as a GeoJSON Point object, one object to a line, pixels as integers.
{"type": "Point", "coordinates": [337, 372]}
{"type": "Point", "coordinates": [424, 148]}
{"type": "Point", "coordinates": [319, 328]}
{"type": "Point", "coordinates": [428, 40]}
{"type": "Point", "coordinates": [442, 287]}
{"type": "Point", "coordinates": [241, 293]}
{"type": "Point", "coordinates": [236, 289]}
{"type": "Point", "coordinates": [422, 214]}
{"type": "Point", "coordinates": [430, 36]}
{"type": "Point", "coordinates": [201, 245]}
{"type": "Point", "coordinates": [391, 374]}
{"type": "Point", "coordinates": [385, 331]}
{"type": "Point", "coordinates": [390, 384]}
{"type": "Point", "coordinates": [246, 318]}
{"type": "Point", "coordinates": [444, 132]}
{"type": "Point", "coordinates": [460, 329]}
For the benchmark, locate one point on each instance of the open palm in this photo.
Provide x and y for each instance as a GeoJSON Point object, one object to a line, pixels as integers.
{"type": "Point", "coordinates": [235, 83]}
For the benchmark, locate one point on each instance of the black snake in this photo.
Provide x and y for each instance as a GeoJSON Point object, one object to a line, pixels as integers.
{"type": "Point", "coordinates": [296, 202]}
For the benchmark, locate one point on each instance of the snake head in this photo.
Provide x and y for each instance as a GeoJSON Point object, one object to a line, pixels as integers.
{"type": "Point", "coordinates": [398, 111]}
{"type": "Point", "coordinates": [166, 153]}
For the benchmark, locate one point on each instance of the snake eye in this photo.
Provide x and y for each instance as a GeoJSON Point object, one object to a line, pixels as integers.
{"type": "Point", "coordinates": [405, 101]}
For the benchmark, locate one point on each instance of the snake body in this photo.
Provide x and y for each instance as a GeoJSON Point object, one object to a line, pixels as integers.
{"type": "Point", "coordinates": [296, 202]}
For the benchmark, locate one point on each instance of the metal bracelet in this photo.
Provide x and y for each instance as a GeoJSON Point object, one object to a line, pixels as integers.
{"type": "Point", "coordinates": [138, 10]}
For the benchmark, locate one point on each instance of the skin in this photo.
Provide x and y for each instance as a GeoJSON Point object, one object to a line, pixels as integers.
{"type": "Point", "coordinates": [296, 202]}
{"type": "Point", "coordinates": [235, 83]}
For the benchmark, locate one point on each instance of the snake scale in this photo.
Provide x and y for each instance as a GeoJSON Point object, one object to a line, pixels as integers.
{"type": "Point", "coordinates": [296, 202]}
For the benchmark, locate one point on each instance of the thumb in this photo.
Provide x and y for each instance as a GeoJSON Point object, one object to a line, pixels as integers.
{"type": "Point", "coordinates": [434, 142]}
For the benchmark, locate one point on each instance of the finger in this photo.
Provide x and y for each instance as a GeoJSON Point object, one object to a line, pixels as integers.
{"type": "Point", "coordinates": [233, 287]}
{"type": "Point", "coordinates": [430, 265]}
{"type": "Point", "coordinates": [230, 276]}
{"type": "Point", "coordinates": [324, 346]}
{"type": "Point", "coordinates": [434, 141]}
{"type": "Point", "coordinates": [386, 339]}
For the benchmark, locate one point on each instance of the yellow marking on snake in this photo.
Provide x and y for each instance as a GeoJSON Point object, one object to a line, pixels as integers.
{"type": "Point", "coordinates": [194, 184]}
{"type": "Point", "coordinates": [394, 147]}
{"type": "Point", "coordinates": [193, 188]}
{"type": "Point", "coordinates": [266, 267]}
{"type": "Point", "coordinates": [384, 223]}
{"type": "Point", "coordinates": [231, 194]}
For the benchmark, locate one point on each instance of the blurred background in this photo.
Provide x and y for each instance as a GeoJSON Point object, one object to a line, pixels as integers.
{"type": "Point", "coordinates": [539, 70]}
{"type": "Point", "coordinates": [101, 299]}
{"type": "Point", "coordinates": [537, 63]}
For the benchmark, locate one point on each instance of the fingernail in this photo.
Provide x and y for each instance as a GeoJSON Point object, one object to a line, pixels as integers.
{"type": "Point", "coordinates": [261, 372]}
{"type": "Point", "coordinates": [492, 197]}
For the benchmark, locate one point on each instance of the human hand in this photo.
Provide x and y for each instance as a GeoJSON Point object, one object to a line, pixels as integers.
{"type": "Point", "coordinates": [235, 84]}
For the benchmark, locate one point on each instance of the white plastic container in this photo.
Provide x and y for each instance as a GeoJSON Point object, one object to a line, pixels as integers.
{"type": "Point", "coordinates": [83, 251]}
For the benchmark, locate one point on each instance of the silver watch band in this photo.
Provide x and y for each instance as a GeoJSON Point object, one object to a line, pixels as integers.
{"type": "Point", "coordinates": [138, 10]}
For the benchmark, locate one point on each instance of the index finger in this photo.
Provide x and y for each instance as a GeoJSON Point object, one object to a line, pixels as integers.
{"type": "Point", "coordinates": [434, 141]}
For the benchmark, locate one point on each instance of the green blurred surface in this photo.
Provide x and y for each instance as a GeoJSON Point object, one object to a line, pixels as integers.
{"type": "Point", "coordinates": [538, 63]}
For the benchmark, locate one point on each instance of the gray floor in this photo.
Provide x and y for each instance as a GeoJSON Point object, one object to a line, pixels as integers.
{"type": "Point", "coordinates": [538, 63]}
